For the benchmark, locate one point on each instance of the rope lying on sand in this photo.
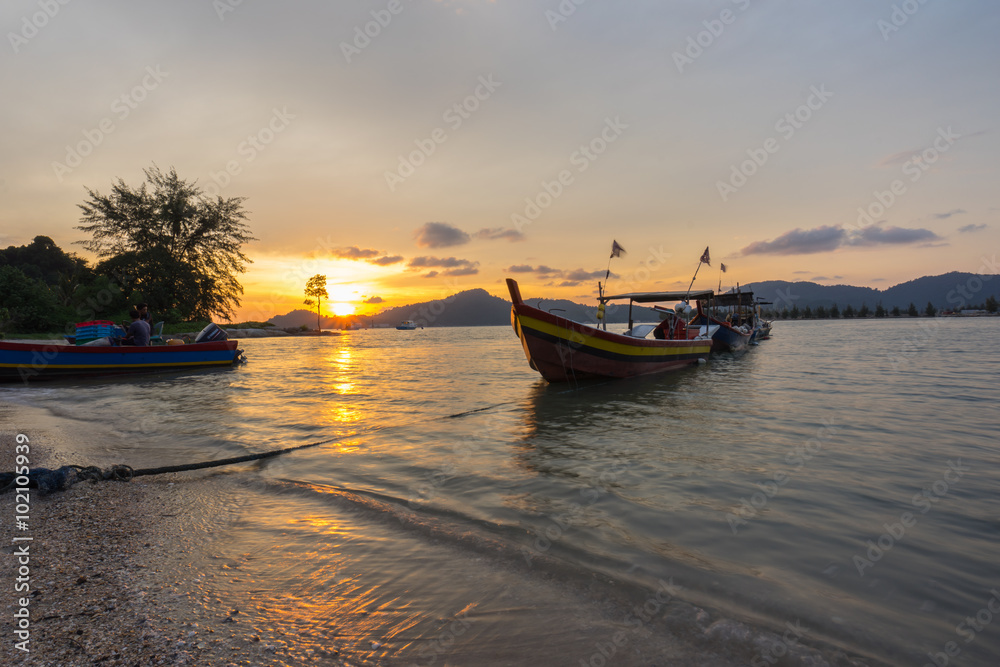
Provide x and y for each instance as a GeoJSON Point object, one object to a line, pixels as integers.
{"type": "Point", "coordinates": [47, 481]}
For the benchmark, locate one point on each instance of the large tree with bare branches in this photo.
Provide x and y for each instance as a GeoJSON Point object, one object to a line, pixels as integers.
{"type": "Point", "coordinates": [166, 239]}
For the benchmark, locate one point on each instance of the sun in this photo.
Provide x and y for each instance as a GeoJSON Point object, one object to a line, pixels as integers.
{"type": "Point", "coordinates": [342, 309]}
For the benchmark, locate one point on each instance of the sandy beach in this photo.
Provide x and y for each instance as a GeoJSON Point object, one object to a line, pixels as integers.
{"type": "Point", "coordinates": [97, 591]}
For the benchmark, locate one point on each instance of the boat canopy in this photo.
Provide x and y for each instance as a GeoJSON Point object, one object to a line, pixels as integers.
{"type": "Point", "coordinates": [652, 297]}
{"type": "Point", "coordinates": [734, 299]}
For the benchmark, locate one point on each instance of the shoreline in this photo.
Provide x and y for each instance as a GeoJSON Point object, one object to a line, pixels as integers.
{"type": "Point", "coordinates": [99, 554]}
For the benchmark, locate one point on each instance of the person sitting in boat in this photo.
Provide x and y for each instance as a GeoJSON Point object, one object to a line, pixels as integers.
{"type": "Point", "coordinates": [138, 332]}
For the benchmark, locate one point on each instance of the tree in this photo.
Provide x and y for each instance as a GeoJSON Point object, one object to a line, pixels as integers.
{"type": "Point", "coordinates": [31, 306]}
{"type": "Point", "coordinates": [834, 312]}
{"type": "Point", "coordinates": [821, 312]}
{"type": "Point", "coordinates": [807, 315]}
{"type": "Point", "coordinates": [880, 310]}
{"type": "Point", "coordinates": [930, 310]}
{"type": "Point", "coordinates": [849, 311]}
{"type": "Point", "coordinates": [895, 311]}
{"type": "Point", "coordinates": [795, 312]}
{"type": "Point", "coordinates": [912, 310]}
{"type": "Point", "coordinates": [863, 311]}
{"type": "Point", "coordinates": [171, 242]}
{"type": "Point", "coordinates": [316, 289]}
{"type": "Point", "coordinates": [991, 304]}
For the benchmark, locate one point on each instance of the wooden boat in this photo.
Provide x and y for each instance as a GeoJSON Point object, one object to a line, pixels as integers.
{"type": "Point", "coordinates": [24, 362]}
{"type": "Point", "coordinates": [734, 316]}
{"type": "Point", "coordinates": [563, 350]}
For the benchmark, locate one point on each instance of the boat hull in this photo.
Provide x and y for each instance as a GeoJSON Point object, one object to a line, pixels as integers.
{"type": "Point", "coordinates": [726, 338]}
{"type": "Point", "coordinates": [23, 362]}
{"type": "Point", "coordinates": [562, 350]}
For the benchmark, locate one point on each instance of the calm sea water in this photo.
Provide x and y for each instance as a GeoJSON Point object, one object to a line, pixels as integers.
{"type": "Point", "coordinates": [841, 478]}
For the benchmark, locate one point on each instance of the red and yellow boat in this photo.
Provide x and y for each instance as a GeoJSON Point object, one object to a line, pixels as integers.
{"type": "Point", "coordinates": [563, 350]}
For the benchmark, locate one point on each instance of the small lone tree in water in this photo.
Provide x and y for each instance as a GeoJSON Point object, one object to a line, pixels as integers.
{"type": "Point", "coordinates": [316, 289]}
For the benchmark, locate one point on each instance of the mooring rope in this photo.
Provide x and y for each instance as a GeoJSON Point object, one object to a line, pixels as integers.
{"type": "Point", "coordinates": [47, 480]}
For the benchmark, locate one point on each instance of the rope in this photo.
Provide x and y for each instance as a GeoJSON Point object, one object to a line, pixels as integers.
{"type": "Point", "coordinates": [47, 480]}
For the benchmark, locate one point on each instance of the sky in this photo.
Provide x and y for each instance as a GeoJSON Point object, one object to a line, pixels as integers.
{"type": "Point", "coordinates": [411, 149]}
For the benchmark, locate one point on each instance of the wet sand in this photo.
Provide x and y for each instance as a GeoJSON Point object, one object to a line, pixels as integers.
{"type": "Point", "coordinates": [96, 554]}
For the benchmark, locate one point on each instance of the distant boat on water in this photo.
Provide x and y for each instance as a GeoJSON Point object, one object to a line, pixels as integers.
{"type": "Point", "coordinates": [562, 350]}
{"type": "Point", "coordinates": [406, 325]}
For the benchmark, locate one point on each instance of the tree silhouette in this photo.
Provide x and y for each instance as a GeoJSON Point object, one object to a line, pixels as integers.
{"type": "Point", "coordinates": [316, 289]}
{"type": "Point", "coordinates": [930, 310]}
{"type": "Point", "coordinates": [171, 242]}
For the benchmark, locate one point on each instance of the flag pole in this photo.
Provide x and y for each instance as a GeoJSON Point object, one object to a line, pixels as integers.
{"type": "Point", "coordinates": [701, 260]}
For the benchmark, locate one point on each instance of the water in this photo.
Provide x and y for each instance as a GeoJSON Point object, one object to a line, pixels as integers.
{"type": "Point", "coordinates": [840, 478]}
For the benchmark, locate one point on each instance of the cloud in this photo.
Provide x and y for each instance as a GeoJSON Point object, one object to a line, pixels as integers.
{"type": "Point", "coordinates": [430, 274]}
{"type": "Point", "coordinates": [511, 235]}
{"type": "Point", "coordinates": [444, 262]}
{"type": "Point", "coordinates": [354, 252]}
{"type": "Point", "coordinates": [374, 299]}
{"type": "Point", "coordinates": [519, 268]}
{"type": "Point", "coordinates": [875, 235]}
{"type": "Point", "coordinates": [827, 238]}
{"type": "Point", "coordinates": [799, 242]}
{"type": "Point", "coordinates": [462, 271]}
{"type": "Point", "coordinates": [580, 274]}
{"type": "Point", "coordinates": [971, 228]}
{"type": "Point", "coordinates": [387, 260]}
{"type": "Point", "coordinates": [439, 235]}
{"type": "Point", "coordinates": [945, 216]}
{"type": "Point", "coordinates": [819, 278]}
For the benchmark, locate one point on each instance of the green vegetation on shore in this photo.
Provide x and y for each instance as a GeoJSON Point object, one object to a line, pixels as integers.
{"type": "Point", "coordinates": [164, 243]}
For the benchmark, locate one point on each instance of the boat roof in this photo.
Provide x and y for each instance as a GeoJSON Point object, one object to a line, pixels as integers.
{"type": "Point", "coordinates": [650, 297]}
{"type": "Point", "coordinates": [734, 299]}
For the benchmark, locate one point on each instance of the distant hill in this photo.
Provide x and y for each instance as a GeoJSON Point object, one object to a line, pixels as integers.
{"type": "Point", "coordinates": [477, 307]}
{"type": "Point", "coordinates": [944, 291]}
{"type": "Point", "coordinates": [298, 317]}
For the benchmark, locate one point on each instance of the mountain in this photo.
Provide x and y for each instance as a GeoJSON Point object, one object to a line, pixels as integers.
{"type": "Point", "coordinates": [477, 307]}
{"type": "Point", "coordinates": [298, 317]}
{"type": "Point", "coordinates": [953, 290]}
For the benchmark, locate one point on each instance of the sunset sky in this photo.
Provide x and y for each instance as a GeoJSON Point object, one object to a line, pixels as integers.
{"type": "Point", "coordinates": [410, 149]}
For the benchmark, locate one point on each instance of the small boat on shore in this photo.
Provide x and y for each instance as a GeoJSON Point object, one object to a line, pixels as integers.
{"type": "Point", "coordinates": [24, 362]}
{"type": "Point", "coordinates": [406, 325]}
{"type": "Point", "coordinates": [563, 350]}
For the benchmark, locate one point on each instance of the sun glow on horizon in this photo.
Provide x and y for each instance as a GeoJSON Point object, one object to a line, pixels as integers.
{"type": "Point", "coordinates": [343, 309]}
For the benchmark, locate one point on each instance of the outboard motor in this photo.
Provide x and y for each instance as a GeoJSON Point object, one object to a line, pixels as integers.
{"type": "Point", "coordinates": [211, 334]}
